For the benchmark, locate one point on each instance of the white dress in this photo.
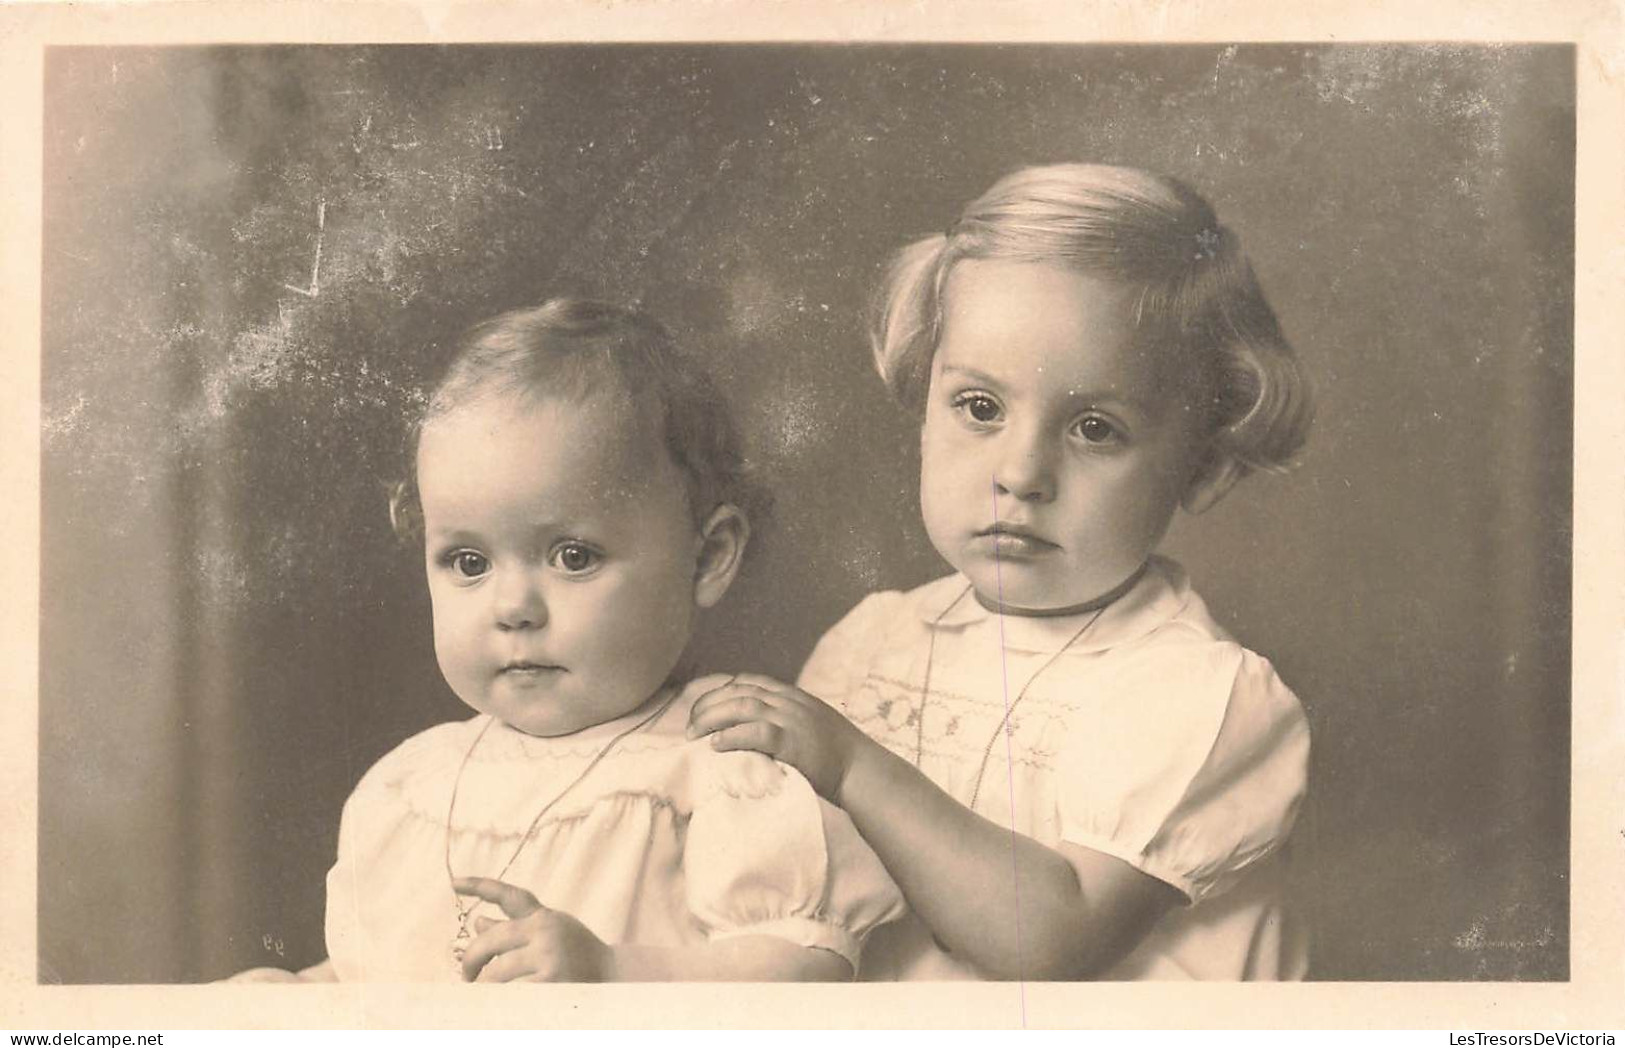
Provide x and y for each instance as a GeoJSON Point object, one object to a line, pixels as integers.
{"type": "Point", "coordinates": [666, 842]}
{"type": "Point", "coordinates": [1153, 738]}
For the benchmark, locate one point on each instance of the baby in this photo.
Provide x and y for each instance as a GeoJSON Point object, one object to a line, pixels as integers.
{"type": "Point", "coordinates": [580, 495]}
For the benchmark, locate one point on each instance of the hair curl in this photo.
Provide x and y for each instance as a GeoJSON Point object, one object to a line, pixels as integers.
{"type": "Point", "coordinates": [574, 348]}
{"type": "Point", "coordinates": [1197, 293]}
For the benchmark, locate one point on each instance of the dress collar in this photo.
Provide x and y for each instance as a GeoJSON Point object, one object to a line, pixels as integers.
{"type": "Point", "coordinates": [1161, 593]}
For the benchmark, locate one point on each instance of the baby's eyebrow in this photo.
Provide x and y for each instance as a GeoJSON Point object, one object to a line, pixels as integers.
{"type": "Point", "coordinates": [971, 373]}
{"type": "Point", "coordinates": [451, 536]}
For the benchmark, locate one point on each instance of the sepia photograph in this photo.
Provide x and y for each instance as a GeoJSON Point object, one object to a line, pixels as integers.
{"type": "Point", "coordinates": [883, 511]}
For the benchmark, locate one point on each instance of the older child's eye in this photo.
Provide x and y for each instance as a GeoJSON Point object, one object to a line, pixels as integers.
{"type": "Point", "coordinates": [979, 406]}
{"type": "Point", "coordinates": [575, 557]}
{"type": "Point", "coordinates": [1096, 430]}
{"type": "Point", "coordinates": [468, 564]}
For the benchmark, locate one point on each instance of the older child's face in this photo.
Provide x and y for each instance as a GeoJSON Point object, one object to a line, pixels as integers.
{"type": "Point", "coordinates": [1055, 449]}
{"type": "Point", "coordinates": [561, 559]}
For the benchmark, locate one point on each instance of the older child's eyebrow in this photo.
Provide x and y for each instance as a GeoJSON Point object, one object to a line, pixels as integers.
{"type": "Point", "coordinates": [1081, 397]}
{"type": "Point", "coordinates": [1110, 398]}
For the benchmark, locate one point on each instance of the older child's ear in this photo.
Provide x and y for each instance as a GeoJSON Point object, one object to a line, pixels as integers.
{"type": "Point", "coordinates": [723, 538]}
{"type": "Point", "coordinates": [1211, 482]}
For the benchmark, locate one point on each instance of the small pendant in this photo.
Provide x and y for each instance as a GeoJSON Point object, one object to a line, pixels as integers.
{"type": "Point", "coordinates": [459, 944]}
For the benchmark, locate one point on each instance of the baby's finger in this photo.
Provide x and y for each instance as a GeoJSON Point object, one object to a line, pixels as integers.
{"type": "Point", "coordinates": [725, 709]}
{"type": "Point", "coordinates": [753, 735]}
{"type": "Point", "coordinates": [280, 975]}
{"type": "Point", "coordinates": [495, 941]}
{"type": "Point", "coordinates": [484, 924]}
{"type": "Point", "coordinates": [506, 968]}
{"type": "Point", "coordinates": [514, 901]}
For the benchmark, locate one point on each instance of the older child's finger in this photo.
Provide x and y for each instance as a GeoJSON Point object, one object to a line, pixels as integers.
{"type": "Point", "coordinates": [718, 690]}
{"type": "Point", "coordinates": [730, 696]}
{"type": "Point", "coordinates": [731, 688]}
{"type": "Point", "coordinates": [756, 735]}
{"type": "Point", "coordinates": [766, 683]}
{"type": "Point", "coordinates": [513, 901]}
{"type": "Point", "coordinates": [723, 710]}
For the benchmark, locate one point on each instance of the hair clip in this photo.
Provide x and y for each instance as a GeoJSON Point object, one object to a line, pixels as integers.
{"type": "Point", "coordinates": [1207, 244]}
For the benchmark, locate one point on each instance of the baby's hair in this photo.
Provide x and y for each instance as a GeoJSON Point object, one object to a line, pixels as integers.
{"type": "Point", "coordinates": [1196, 292]}
{"type": "Point", "coordinates": [573, 348]}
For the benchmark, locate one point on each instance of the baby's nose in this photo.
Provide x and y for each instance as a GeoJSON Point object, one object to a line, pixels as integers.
{"type": "Point", "coordinates": [520, 604]}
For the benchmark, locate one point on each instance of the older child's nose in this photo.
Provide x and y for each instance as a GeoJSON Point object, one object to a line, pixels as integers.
{"type": "Point", "coordinates": [1025, 467]}
{"type": "Point", "coordinates": [519, 603]}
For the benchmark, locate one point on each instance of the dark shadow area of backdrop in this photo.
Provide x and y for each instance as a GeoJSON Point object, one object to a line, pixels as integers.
{"type": "Point", "coordinates": [254, 255]}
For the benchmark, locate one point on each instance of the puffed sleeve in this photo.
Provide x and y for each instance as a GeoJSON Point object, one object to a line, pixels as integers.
{"type": "Point", "coordinates": [842, 655]}
{"type": "Point", "coordinates": [375, 886]}
{"type": "Point", "coordinates": [345, 937]}
{"type": "Point", "coordinates": [1190, 767]}
{"type": "Point", "coordinates": [765, 856]}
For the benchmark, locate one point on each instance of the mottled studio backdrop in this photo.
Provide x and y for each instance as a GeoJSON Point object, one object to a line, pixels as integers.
{"type": "Point", "coordinates": [254, 256]}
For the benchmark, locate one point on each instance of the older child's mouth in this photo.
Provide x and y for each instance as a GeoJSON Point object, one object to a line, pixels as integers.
{"type": "Point", "coordinates": [1009, 540]}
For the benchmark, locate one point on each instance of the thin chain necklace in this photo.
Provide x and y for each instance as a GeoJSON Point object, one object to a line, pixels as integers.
{"type": "Point", "coordinates": [1098, 606]}
{"type": "Point", "coordinates": [987, 751]}
{"type": "Point", "coordinates": [459, 945]}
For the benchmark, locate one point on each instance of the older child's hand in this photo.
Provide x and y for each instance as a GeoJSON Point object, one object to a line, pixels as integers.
{"type": "Point", "coordinates": [752, 712]}
{"type": "Point", "coordinates": [535, 944]}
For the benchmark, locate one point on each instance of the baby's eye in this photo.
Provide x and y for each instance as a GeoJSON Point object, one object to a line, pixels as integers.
{"type": "Point", "coordinates": [979, 406]}
{"type": "Point", "coordinates": [574, 557]}
{"type": "Point", "coordinates": [1096, 430]}
{"type": "Point", "coordinates": [468, 564]}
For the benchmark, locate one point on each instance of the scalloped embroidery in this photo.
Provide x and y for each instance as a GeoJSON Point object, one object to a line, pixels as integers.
{"type": "Point", "coordinates": [624, 799]}
{"type": "Point", "coordinates": [742, 774]}
{"type": "Point", "coordinates": [658, 768]}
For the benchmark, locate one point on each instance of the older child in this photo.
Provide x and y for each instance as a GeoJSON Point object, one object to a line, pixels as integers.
{"type": "Point", "coordinates": [581, 499]}
{"type": "Point", "coordinates": [1067, 765]}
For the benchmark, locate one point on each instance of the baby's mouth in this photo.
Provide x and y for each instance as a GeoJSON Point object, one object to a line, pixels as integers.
{"type": "Point", "coordinates": [522, 668]}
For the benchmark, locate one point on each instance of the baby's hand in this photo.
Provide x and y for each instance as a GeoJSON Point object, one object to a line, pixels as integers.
{"type": "Point", "coordinates": [536, 944]}
{"type": "Point", "coordinates": [266, 975]}
{"type": "Point", "coordinates": [752, 712]}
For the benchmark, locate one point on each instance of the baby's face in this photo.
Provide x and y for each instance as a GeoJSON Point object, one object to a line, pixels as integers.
{"type": "Point", "coordinates": [1055, 448]}
{"type": "Point", "coordinates": [561, 559]}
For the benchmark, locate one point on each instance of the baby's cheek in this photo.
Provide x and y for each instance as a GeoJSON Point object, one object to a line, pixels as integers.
{"type": "Point", "coordinates": [644, 635]}
{"type": "Point", "coordinates": [451, 642]}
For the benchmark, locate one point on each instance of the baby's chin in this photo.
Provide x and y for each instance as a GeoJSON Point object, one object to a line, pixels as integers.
{"type": "Point", "coordinates": [552, 722]}
{"type": "Point", "coordinates": [1018, 590]}
{"type": "Point", "coordinates": [546, 730]}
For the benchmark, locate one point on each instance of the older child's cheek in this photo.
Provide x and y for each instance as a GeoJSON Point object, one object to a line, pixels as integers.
{"type": "Point", "coordinates": [939, 505]}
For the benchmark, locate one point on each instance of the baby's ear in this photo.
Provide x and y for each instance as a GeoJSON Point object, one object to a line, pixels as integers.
{"type": "Point", "coordinates": [723, 538]}
{"type": "Point", "coordinates": [1217, 475]}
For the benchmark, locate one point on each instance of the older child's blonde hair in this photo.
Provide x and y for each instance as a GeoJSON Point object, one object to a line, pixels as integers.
{"type": "Point", "coordinates": [1196, 292]}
